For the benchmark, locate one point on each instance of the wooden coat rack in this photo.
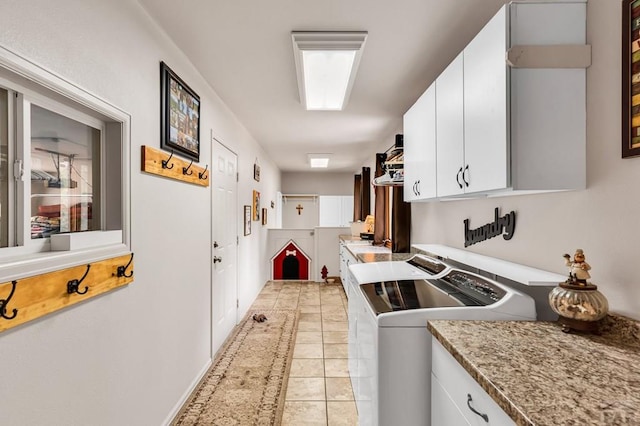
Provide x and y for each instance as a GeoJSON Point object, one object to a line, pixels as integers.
{"type": "Point", "coordinates": [26, 299]}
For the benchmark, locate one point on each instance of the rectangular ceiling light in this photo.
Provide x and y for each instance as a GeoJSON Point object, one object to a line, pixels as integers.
{"type": "Point", "coordinates": [319, 160]}
{"type": "Point", "coordinates": [326, 65]}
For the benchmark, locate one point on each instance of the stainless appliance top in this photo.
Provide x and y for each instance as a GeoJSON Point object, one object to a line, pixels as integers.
{"type": "Point", "coordinates": [455, 289]}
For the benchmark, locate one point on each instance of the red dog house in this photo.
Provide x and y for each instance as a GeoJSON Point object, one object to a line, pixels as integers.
{"type": "Point", "coordinates": [290, 263]}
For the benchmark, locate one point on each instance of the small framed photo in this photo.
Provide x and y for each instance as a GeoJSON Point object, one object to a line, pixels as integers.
{"type": "Point", "coordinates": [256, 205]}
{"type": "Point", "coordinates": [256, 172]}
{"type": "Point", "coordinates": [179, 115]}
{"type": "Point", "coordinates": [247, 220]}
{"type": "Point", "coordinates": [264, 215]}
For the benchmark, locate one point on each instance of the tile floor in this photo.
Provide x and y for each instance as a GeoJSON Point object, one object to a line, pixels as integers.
{"type": "Point", "coordinates": [319, 389]}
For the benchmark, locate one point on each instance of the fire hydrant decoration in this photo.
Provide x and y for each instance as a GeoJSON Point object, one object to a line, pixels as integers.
{"type": "Point", "coordinates": [324, 272]}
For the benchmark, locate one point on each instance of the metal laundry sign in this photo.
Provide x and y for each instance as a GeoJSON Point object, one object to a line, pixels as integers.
{"type": "Point", "coordinates": [504, 226]}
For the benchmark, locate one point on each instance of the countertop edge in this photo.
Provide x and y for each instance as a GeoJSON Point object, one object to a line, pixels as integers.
{"type": "Point", "coordinates": [503, 402]}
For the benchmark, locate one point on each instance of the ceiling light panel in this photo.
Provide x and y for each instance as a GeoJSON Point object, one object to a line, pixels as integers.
{"type": "Point", "coordinates": [326, 65]}
{"type": "Point", "coordinates": [319, 160]}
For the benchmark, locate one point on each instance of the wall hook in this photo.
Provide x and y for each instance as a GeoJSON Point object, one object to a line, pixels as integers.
{"type": "Point", "coordinates": [186, 169]}
{"type": "Point", "coordinates": [123, 269]}
{"type": "Point", "coordinates": [201, 174]}
{"type": "Point", "coordinates": [74, 285]}
{"type": "Point", "coordinates": [165, 163]}
{"type": "Point", "coordinates": [5, 302]}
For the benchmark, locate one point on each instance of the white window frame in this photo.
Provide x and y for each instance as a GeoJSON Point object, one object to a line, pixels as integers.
{"type": "Point", "coordinates": [43, 88]}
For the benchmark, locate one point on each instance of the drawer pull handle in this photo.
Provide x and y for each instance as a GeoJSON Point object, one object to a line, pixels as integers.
{"type": "Point", "coordinates": [484, 416]}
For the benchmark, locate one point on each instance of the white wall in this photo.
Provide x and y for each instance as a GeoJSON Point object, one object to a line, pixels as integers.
{"type": "Point", "coordinates": [602, 220]}
{"type": "Point", "coordinates": [307, 217]}
{"type": "Point", "coordinates": [128, 357]}
{"type": "Point", "coordinates": [317, 183]}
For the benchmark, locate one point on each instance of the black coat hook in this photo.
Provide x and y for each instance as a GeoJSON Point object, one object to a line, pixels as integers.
{"type": "Point", "coordinates": [123, 269]}
{"type": "Point", "coordinates": [165, 163]}
{"type": "Point", "coordinates": [74, 285]}
{"type": "Point", "coordinates": [186, 169]}
{"type": "Point", "coordinates": [5, 302]}
{"type": "Point", "coordinates": [201, 174]}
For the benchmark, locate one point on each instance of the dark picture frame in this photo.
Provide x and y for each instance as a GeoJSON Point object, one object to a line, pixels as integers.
{"type": "Point", "coordinates": [256, 172]}
{"type": "Point", "coordinates": [247, 220]}
{"type": "Point", "coordinates": [264, 215]}
{"type": "Point", "coordinates": [630, 78]}
{"type": "Point", "coordinates": [179, 115]}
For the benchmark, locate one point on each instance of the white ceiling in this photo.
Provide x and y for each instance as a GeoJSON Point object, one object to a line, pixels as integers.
{"type": "Point", "coordinates": [244, 49]}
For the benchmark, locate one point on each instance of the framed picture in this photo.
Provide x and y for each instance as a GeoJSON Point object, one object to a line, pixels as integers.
{"type": "Point", "coordinates": [256, 205]}
{"type": "Point", "coordinates": [247, 220]}
{"type": "Point", "coordinates": [264, 215]}
{"type": "Point", "coordinates": [256, 171]}
{"type": "Point", "coordinates": [179, 115]}
{"type": "Point", "coordinates": [630, 78]}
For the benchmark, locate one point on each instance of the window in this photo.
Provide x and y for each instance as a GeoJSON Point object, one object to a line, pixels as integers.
{"type": "Point", "coordinates": [57, 143]}
{"type": "Point", "coordinates": [65, 174]}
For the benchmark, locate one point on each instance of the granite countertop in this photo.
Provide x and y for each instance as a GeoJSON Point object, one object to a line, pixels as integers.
{"type": "Point", "coordinates": [347, 238]}
{"type": "Point", "coordinates": [383, 257]}
{"type": "Point", "coordinates": [540, 375]}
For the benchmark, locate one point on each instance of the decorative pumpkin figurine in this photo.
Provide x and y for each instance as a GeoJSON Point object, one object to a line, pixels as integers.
{"type": "Point", "coordinates": [578, 302]}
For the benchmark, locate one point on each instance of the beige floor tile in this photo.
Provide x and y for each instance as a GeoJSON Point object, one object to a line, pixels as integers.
{"type": "Point", "coordinates": [286, 304]}
{"type": "Point", "coordinates": [304, 413]}
{"type": "Point", "coordinates": [305, 389]}
{"type": "Point", "coordinates": [308, 350]}
{"type": "Point", "coordinates": [339, 389]}
{"type": "Point", "coordinates": [335, 337]}
{"type": "Point", "coordinates": [307, 367]}
{"type": "Point", "coordinates": [333, 309]}
{"type": "Point", "coordinates": [331, 300]}
{"type": "Point", "coordinates": [310, 337]}
{"type": "Point", "coordinates": [336, 367]}
{"type": "Point", "coordinates": [309, 301]}
{"type": "Point", "coordinates": [342, 413]}
{"type": "Point", "coordinates": [335, 350]}
{"type": "Point", "coordinates": [309, 326]}
{"type": "Point", "coordinates": [335, 326]}
{"type": "Point", "coordinates": [309, 309]}
{"type": "Point", "coordinates": [310, 317]}
{"type": "Point", "coordinates": [333, 317]}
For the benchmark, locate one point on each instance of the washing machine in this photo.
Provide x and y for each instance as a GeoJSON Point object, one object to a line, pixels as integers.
{"type": "Point", "coordinates": [389, 344]}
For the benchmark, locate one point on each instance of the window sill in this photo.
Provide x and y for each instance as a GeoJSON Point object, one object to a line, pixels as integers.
{"type": "Point", "coordinates": [50, 261]}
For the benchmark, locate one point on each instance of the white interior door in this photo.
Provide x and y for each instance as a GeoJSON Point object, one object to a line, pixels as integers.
{"type": "Point", "coordinates": [225, 244]}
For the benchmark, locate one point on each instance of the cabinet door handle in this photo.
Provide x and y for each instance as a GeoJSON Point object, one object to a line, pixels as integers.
{"type": "Point", "coordinates": [484, 416]}
{"type": "Point", "coordinates": [464, 174]}
{"type": "Point", "coordinates": [418, 187]}
{"type": "Point", "coordinates": [458, 177]}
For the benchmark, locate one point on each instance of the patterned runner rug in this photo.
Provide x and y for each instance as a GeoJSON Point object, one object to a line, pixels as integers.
{"type": "Point", "coordinates": [247, 383]}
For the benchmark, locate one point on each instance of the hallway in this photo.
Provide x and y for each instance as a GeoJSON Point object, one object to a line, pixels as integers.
{"type": "Point", "coordinates": [319, 389]}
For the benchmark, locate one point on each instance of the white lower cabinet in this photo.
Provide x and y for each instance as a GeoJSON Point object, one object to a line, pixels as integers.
{"type": "Point", "coordinates": [456, 398]}
{"type": "Point", "coordinates": [346, 259]}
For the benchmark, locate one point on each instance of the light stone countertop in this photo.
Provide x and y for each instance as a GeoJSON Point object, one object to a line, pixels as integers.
{"type": "Point", "coordinates": [383, 257]}
{"type": "Point", "coordinates": [540, 375]}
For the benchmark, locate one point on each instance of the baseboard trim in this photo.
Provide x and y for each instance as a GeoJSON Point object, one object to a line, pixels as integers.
{"type": "Point", "coordinates": [176, 408]}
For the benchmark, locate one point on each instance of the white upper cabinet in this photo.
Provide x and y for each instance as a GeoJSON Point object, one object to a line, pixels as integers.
{"type": "Point", "coordinates": [420, 148]}
{"type": "Point", "coordinates": [511, 108]}
{"type": "Point", "coordinates": [450, 130]}
{"type": "Point", "coordinates": [486, 144]}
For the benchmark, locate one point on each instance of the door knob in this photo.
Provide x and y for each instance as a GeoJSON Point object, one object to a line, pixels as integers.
{"type": "Point", "coordinates": [217, 259]}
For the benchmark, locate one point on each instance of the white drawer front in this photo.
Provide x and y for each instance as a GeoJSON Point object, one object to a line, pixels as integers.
{"type": "Point", "coordinates": [460, 385]}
